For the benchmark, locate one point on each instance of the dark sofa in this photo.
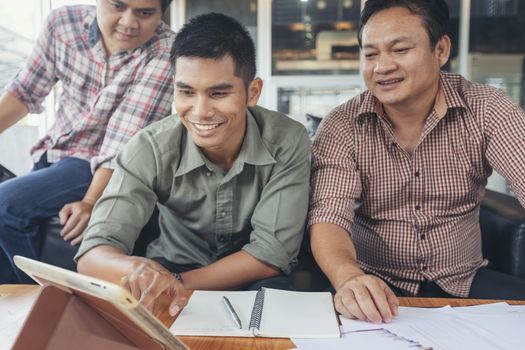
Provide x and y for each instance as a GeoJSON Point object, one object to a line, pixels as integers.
{"type": "Point", "coordinates": [502, 221]}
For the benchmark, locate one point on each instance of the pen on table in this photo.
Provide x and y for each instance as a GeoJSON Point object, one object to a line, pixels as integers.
{"type": "Point", "coordinates": [231, 311]}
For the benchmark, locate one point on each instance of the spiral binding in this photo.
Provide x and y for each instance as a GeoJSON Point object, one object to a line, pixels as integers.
{"type": "Point", "coordinates": [255, 318]}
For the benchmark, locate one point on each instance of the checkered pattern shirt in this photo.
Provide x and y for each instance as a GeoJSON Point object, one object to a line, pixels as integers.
{"type": "Point", "coordinates": [415, 217]}
{"type": "Point", "coordinates": [104, 100]}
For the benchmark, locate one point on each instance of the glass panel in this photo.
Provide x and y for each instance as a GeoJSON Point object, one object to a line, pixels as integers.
{"type": "Point", "coordinates": [316, 102]}
{"type": "Point", "coordinates": [245, 11]}
{"type": "Point", "coordinates": [315, 37]}
{"type": "Point", "coordinates": [497, 45]}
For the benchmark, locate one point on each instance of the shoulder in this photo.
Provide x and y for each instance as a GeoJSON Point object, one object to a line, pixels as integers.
{"type": "Point", "coordinates": [160, 138]}
{"type": "Point", "coordinates": [484, 103]}
{"type": "Point", "coordinates": [277, 128]}
{"type": "Point", "coordinates": [161, 44]}
{"type": "Point", "coordinates": [342, 119]}
{"type": "Point", "coordinates": [69, 22]}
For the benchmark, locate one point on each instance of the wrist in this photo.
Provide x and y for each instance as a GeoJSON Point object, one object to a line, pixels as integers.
{"type": "Point", "coordinates": [177, 276]}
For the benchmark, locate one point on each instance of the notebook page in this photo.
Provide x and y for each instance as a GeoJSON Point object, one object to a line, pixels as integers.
{"type": "Point", "coordinates": [299, 315]}
{"type": "Point", "coordinates": [206, 315]}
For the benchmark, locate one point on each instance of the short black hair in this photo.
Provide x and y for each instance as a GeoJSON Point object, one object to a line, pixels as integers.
{"type": "Point", "coordinates": [165, 4]}
{"type": "Point", "coordinates": [433, 13]}
{"type": "Point", "coordinates": [215, 35]}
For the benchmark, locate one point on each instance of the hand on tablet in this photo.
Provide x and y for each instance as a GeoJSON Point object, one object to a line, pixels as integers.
{"type": "Point", "coordinates": [149, 280]}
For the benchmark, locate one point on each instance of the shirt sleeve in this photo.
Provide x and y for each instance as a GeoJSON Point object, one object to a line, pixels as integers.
{"type": "Point", "coordinates": [128, 200]}
{"type": "Point", "coordinates": [148, 99]}
{"type": "Point", "coordinates": [37, 77]}
{"type": "Point", "coordinates": [280, 215]}
{"type": "Point", "coordinates": [505, 132]}
{"type": "Point", "coordinates": [336, 182]}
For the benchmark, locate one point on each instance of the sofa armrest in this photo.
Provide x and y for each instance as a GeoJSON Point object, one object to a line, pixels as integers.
{"type": "Point", "coordinates": [502, 221]}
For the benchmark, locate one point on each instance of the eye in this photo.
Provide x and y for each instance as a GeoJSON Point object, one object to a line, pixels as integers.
{"type": "Point", "coordinates": [219, 94]}
{"type": "Point", "coordinates": [402, 50]}
{"type": "Point", "coordinates": [370, 55]}
{"type": "Point", "coordinates": [185, 92]}
{"type": "Point", "coordinates": [116, 5]}
{"type": "Point", "coordinates": [146, 13]}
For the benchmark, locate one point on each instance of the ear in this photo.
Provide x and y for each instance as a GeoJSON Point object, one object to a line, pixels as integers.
{"type": "Point", "coordinates": [442, 50]}
{"type": "Point", "coordinates": [254, 91]}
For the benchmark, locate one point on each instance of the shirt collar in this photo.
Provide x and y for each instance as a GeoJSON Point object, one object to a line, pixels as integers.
{"type": "Point", "coordinates": [93, 33]}
{"type": "Point", "coordinates": [253, 151]}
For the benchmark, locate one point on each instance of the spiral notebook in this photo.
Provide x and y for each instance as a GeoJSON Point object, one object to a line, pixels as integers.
{"type": "Point", "coordinates": [269, 313]}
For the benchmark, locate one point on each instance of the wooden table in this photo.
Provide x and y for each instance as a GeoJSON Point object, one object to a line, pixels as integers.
{"type": "Point", "coordinates": [18, 292]}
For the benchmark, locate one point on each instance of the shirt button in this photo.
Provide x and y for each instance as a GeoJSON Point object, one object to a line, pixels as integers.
{"type": "Point", "coordinates": [208, 173]}
{"type": "Point", "coordinates": [424, 267]}
{"type": "Point", "coordinates": [422, 236]}
{"type": "Point", "coordinates": [223, 214]}
{"type": "Point", "coordinates": [416, 174]}
{"type": "Point", "coordinates": [222, 239]}
{"type": "Point", "coordinates": [417, 207]}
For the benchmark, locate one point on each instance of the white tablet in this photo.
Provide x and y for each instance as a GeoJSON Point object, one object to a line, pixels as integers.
{"type": "Point", "coordinates": [72, 305]}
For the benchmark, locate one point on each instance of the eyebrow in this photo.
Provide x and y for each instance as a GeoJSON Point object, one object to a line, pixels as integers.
{"type": "Point", "coordinates": [392, 42]}
{"type": "Point", "coordinates": [148, 9]}
{"type": "Point", "coordinates": [221, 86]}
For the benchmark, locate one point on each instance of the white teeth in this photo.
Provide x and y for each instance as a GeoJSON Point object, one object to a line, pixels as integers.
{"type": "Point", "coordinates": [205, 126]}
{"type": "Point", "coordinates": [388, 82]}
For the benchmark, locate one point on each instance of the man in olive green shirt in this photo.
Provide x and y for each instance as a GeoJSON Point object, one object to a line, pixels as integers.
{"type": "Point", "coordinates": [230, 180]}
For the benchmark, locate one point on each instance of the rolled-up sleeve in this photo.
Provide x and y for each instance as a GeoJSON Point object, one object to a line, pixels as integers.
{"type": "Point", "coordinates": [128, 200]}
{"type": "Point", "coordinates": [280, 215]}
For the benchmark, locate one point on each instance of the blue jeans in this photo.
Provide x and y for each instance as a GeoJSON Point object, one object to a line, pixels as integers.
{"type": "Point", "coordinates": [27, 201]}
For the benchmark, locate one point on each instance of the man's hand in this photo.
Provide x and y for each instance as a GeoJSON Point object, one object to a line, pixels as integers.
{"type": "Point", "coordinates": [148, 280]}
{"type": "Point", "coordinates": [366, 297]}
{"type": "Point", "coordinates": [75, 217]}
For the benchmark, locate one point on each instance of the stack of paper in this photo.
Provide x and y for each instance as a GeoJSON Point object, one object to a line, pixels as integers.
{"type": "Point", "coordinates": [490, 326]}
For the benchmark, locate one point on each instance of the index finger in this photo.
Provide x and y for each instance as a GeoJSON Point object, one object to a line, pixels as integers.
{"type": "Point", "coordinates": [379, 297]}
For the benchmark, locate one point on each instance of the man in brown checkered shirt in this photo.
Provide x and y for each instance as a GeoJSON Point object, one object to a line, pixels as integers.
{"type": "Point", "coordinates": [400, 170]}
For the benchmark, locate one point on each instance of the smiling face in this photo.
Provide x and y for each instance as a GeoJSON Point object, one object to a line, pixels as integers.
{"type": "Point", "coordinates": [400, 67]}
{"type": "Point", "coordinates": [127, 24]}
{"type": "Point", "coordinates": [211, 102]}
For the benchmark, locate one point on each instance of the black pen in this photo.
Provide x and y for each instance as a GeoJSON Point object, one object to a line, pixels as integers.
{"type": "Point", "coordinates": [231, 311]}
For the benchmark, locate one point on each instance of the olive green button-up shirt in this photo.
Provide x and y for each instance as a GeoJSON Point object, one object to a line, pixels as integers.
{"type": "Point", "coordinates": [259, 205]}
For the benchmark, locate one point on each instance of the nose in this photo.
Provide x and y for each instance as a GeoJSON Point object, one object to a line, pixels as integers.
{"type": "Point", "coordinates": [129, 20]}
{"type": "Point", "coordinates": [384, 64]}
{"type": "Point", "coordinates": [202, 107]}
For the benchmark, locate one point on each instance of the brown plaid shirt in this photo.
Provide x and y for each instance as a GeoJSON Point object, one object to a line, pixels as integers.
{"type": "Point", "coordinates": [415, 217]}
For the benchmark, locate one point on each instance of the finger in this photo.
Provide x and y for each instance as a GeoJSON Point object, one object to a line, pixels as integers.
{"type": "Point", "coordinates": [77, 229]}
{"type": "Point", "coordinates": [393, 301]}
{"type": "Point", "coordinates": [72, 221]}
{"type": "Point", "coordinates": [378, 295]}
{"type": "Point", "coordinates": [133, 288]}
{"type": "Point", "coordinates": [367, 305]}
{"type": "Point", "coordinates": [350, 304]}
{"type": "Point", "coordinates": [151, 291]}
{"type": "Point", "coordinates": [179, 299]}
{"type": "Point", "coordinates": [64, 213]}
{"type": "Point", "coordinates": [77, 240]}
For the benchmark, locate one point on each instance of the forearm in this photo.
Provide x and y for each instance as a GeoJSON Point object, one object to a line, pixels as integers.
{"type": "Point", "coordinates": [11, 110]}
{"type": "Point", "coordinates": [98, 184]}
{"type": "Point", "coordinates": [109, 263]}
{"type": "Point", "coordinates": [335, 253]}
{"type": "Point", "coordinates": [234, 271]}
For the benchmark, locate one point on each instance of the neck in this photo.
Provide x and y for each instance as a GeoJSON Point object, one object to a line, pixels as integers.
{"type": "Point", "coordinates": [414, 114]}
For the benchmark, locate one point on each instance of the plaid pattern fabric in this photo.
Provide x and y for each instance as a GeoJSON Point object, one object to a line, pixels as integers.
{"type": "Point", "coordinates": [104, 100]}
{"type": "Point", "coordinates": [416, 216]}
